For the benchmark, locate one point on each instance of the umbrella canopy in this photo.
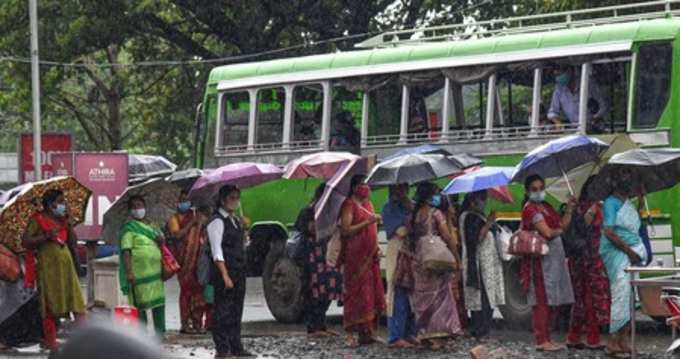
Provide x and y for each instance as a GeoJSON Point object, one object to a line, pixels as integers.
{"type": "Point", "coordinates": [143, 167]}
{"type": "Point", "coordinates": [655, 169]}
{"type": "Point", "coordinates": [10, 193]}
{"type": "Point", "coordinates": [185, 179]}
{"type": "Point", "coordinates": [18, 210]}
{"type": "Point", "coordinates": [327, 209]}
{"type": "Point", "coordinates": [419, 150]}
{"type": "Point", "coordinates": [242, 175]}
{"type": "Point", "coordinates": [557, 157]}
{"type": "Point", "coordinates": [161, 202]}
{"type": "Point", "coordinates": [412, 169]}
{"type": "Point", "coordinates": [318, 165]}
{"type": "Point", "coordinates": [465, 161]}
{"type": "Point", "coordinates": [481, 179]}
{"type": "Point", "coordinates": [559, 188]}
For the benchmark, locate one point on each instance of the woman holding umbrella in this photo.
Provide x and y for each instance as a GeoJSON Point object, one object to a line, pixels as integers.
{"type": "Point", "coordinates": [620, 247]}
{"type": "Point", "coordinates": [545, 278]}
{"type": "Point", "coordinates": [51, 235]}
{"type": "Point", "coordinates": [364, 298]}
{"type": "Point", "coordinates": [140, 269]}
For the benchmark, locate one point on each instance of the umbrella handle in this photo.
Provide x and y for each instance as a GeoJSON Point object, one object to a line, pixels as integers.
{"type": "Point", "coordinates": [566, 179]}
{"type": "Point", "coordinates": [649, 216]}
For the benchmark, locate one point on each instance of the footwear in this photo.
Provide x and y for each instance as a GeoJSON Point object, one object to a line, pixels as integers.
{"type": "Point", "coordinates": [401, 344]}
{"type": "Point", "coordinates": [352, 342]}
{"type": "Point", "coordinates": [599, 346]}
{"type": "Point", "coordinates": [548, 347]}
{"type": "Point", "coordinates": [578, 346]}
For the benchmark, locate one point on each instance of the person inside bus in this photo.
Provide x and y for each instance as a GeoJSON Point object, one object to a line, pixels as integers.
{"type": "Point", "coordinates": [564, 106]}
{"type": "Point", "coordinates": [344, 134]}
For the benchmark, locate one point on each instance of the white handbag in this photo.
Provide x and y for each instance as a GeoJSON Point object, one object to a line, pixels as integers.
{"type": "Point", "coordinates": [503, 236]}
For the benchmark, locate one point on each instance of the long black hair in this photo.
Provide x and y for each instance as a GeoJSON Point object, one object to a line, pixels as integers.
{"type": "Point", "coordinates": [584, 197]}
{"type": "Point", "coordinates": [424, 193]}
{"type": "Point", "coordinates": [50, 196]}
{"type": "Point", "coordinates": [225, 191]}
{"type": "Point", "coordinates": [527, 183]}
{"type": "Point", "coordinates": [355, 182]}
{"type": "Point", "coordinates": [470, 198]}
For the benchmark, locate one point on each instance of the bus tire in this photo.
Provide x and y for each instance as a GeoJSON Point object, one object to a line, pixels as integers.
{"type": "Point", "coordinates": [516, 312]}
{"type": "Point", "coordinates": [283, 285]}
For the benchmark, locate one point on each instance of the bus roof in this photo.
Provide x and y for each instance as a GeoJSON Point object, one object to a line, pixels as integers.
{"type": "Point", "coordinates": [647, 30]}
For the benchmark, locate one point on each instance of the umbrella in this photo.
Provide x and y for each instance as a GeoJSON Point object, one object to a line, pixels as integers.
{"type": "Point", "coordinates": [186, 178]}
{"type": "Point", "coordinates": [419, 150]}
{"type": "Point", "coordinates": [318, 165]}
{"type": "Point", "coordinates": [412, 169]}
{"type": "Point", "coordinates": [10, 193]}
{"type": "Point", "coordinates": [18, 210]}
{"type": "Point", "coordinates": [327, 209]}
{"type": "Point", "coordinates": [481, 179]}
{"type": "Point", "coordinates": [559, 187]}
{"type": "Point", "coordinates": [242, 175]}
{"type": "Point", "coordinates": [557, 157]}
{"type": "Point", "coordinates": [143, 167]}
{"type": "Point", "coordinates": [464, 160]}
{"type": "Point", "coordinates": [655, 169]}
{"type": "Point", "coordinates": [161, 201]}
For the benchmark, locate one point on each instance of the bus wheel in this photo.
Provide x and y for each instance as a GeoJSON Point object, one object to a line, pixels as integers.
{"type": "Point", "coordinates": [283, 285]}
{"type": "Point", "coordinates": [516, 312]}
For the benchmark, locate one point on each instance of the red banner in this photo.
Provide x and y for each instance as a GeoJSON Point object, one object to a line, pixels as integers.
{"type": "Point", "coordinates": [50, 144]}
{"type": "Point", "coordinates": [106, 174]}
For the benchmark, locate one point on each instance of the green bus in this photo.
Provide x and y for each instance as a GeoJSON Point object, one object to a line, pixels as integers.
{"type": "Point", "coordinates": [482, 89]}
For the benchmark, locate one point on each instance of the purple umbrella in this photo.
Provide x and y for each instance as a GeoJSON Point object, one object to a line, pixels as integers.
{"type": "Point", "coordinates": [242, 175]}
{"type": "Point", "coordinates": [327, 210]}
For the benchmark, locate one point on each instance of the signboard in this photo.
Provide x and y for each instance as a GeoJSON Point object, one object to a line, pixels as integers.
{"type": "Point", "coordinates": [106, 174]}
{"type": "Point", "coordinates": [51, 143]}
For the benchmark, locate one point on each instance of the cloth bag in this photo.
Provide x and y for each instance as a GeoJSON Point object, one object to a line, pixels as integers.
{"type": "Point", "coordinates": [334, 248]}
{"type": "Point", "coordinates": [10, 266]}
{"type": "Point", "coordinates": [169, 263]}
{"type": "Point", "coordinates": [503, 236]}
{"type": "Point", "coordinates": [434, 253]}
{"type": "Point", "coordinates": [528, 244]}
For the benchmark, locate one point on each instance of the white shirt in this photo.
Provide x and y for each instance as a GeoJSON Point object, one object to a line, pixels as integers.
{"type": "Point", "coordinates": [565, 103]}
{"type": "Point", "coordinates": [216, 232]}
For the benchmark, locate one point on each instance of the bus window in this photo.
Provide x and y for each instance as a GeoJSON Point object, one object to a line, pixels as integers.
{"type": "Point", "coordinates": [426, 109]}
{"type": "Point", "coordinates": [235, 125]}
{"type": "Point", "coordinates": [307, 104]}
{"type": "Point", "coordinates": [385, 112]}
{"type": "Point", "coordinates": [612, 80]}
{"type": "Point", "coordinates": [515, 90]}
{"type": "Point", "coordinates": [269, 120]}
{"type": "Point", "coordinates": [474, 105]}
{"type": "Point", "coordinates": [652, 83]}
{"type": "Point", "coordinates": [346, 119]}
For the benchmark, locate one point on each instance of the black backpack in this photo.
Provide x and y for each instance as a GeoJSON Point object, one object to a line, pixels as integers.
{"type": "Point", "coordinates": [576, 238]}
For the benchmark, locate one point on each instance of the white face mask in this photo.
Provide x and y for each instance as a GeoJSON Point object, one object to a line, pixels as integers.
{"type": "Point", "coordinates": [138, 213]}
{"type": "Point", "coordinates": [537, 196]}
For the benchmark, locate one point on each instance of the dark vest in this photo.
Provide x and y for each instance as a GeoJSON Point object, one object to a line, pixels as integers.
{"type": "Point", "coordinates": [233, 245]}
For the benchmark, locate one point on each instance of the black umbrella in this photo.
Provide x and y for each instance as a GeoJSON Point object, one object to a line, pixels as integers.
{"type": "Point", "coordinates": [655, 169]}
{"type": "Point", "coordinates": [185, 178]}
{"type": "Point", "coordinates": [411, 169]}
{"type": "Point", "coordinates": [465, 161]}
{"type": "Point", "coordinates": [143, 167]}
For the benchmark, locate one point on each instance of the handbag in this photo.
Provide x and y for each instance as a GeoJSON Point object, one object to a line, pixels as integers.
{"type": "Point", "coordinates": [10, 266]}
{"type": "Point", "coordinates": [295, 246]}
{"type": "Point", "coordinates": [503, 236]}
{"type": "Point", "coordinates": [434, 253]}
{"type": "Point", "coordinates": [528, 244]}
{"type": "Point", "coordinates": [204, 267]}
{"type": "Point", "coordinates": [575, 238]}
{"type": "Point", "coordinates": [334, 248]}
{"type": "Point", "coordinates": [403, 273]}
{"type": "Point", "coordinates": [168, 262]}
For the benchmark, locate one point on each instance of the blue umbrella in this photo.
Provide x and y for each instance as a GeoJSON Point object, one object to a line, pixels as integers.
{"type": "Point", "coordinates": [419, 150]}
{"type": "Point", "coordinates": [484, 178]}
{"type": "Point", "coordinates": [557, 157]}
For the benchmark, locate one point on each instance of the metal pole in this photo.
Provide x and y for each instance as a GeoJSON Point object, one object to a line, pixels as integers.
{"type": "Point", "coordinates": [536, 102]}
{"type": "Point", "coordinates": [35, 88]}
{"type": "Point", "coordinates": [583, 98]}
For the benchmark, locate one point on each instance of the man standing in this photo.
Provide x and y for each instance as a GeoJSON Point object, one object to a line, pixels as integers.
{"type": "Point", "coordinates": [564, 106]}
{"type": "Point", "coordinates": [395, 215]}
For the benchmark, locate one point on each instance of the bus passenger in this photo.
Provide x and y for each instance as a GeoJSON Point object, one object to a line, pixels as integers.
{"type": "Point", "coordinates": [545, 278]}
{"type": "Point", "coordinates": [564, 106]}
{"type": "Point", "coordinates": [324, 283]}
{"type": "Point", "coordinates": [395, 214]}
{"type": "Point", "coordinates": [364, 296]}
{"type": "Point", "coordinates": [344, 135]}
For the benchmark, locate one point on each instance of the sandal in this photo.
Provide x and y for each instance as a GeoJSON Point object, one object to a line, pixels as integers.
{"type": "Point", "coordinates": [599, 346]}
{"type": "Point", "coordinates": [401, 344]}
{"type": "Point", "coordinates": [548, 348]}
{"type": "Point", "coordinates": [352, 342]}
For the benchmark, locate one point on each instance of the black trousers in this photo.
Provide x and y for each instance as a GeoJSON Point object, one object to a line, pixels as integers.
{"type": "Point", "coordinates": [227, 315]}
{"type": "Point", "coordinates": [315, 315]}
{"type": "Point", "coordinates": [480, 321]}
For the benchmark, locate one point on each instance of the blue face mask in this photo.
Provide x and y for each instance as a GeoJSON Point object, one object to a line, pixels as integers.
{"type": "Point", "coordinates": [563, 79]}
{"type": "Point", "coordinates": [184, 206]}
{"type": "Point", "coordinates": [436, 200]}
{"type": "Point", "coordinates": [60, 210]}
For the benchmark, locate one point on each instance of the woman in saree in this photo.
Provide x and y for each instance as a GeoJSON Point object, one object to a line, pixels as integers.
{"type": "Point", "coordinates": [620, 247]}
{"type": "Point", "coordinates": [589, 277]}
{"type": "Point", "coordinates": [51, 235]}
{"type": "Point", "coordinates": [432, 297]}
{"type": "Point", "coordinates": [187, 227]}
{"type": "Point", "coordinates": [482, 267]}
{"type": "Point", "coordinates": [364, 296]}
{"type": "Point", "coordinates": [140, 270]}
{"type": "Point", "coordinates": [546, 279]}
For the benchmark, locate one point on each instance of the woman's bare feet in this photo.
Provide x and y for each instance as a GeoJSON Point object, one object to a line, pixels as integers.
{"type": "Point", "coordinates": [401, 344]}
{"type": "Point", "coordinates": [351, 341]}
{"type": "Point", "coordinates": [549, 347]}
{"type": "Point", "coordinates": [437, 344]}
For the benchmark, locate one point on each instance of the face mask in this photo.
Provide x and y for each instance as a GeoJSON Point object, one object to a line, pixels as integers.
{"type": "Point", "coordinates": [362, 191]}
{"type": "Point", "coordinates": [436, 200]}
{"type": "Point", "coordinates": [139, 213]}
{"type": "Point", "coordinates": [60, 210]}
{"type": "Point", "coordinates": [563, 79]}
{"type": "Point", "coordinates": [537, 196]}
{"type": "Point", "coordinates": [184, 206]}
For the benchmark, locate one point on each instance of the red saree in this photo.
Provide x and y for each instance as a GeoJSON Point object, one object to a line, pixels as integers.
{"type": "Point", "coordinates": [364, 296]}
